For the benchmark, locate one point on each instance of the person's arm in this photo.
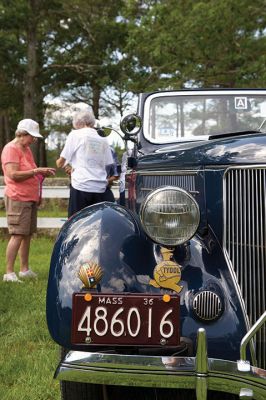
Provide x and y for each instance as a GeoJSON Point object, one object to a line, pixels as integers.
{"type": "Point", "coordinates": [67, 152]}
{"type": "Point", "coordinates": [111, 179]}
{"type": "Point", "coordinates": [60, 162]}
{"type": "Point", "coordinates": [68, 169]}
{"type": "Point", "coordinates": [13, 172]}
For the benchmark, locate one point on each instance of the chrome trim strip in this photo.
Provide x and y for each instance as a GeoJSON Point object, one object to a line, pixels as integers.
{"type": "Point", "coordinates": [250, 334]}
{"type": "Point", "coordinates": [202, 356]}
{"type": "Point", "coordinates": [150, 189]}
{"type": "Point", "coordinates": [201, 366]}
{"type": "Point", "coordinates": [182, 173]}
{"type": "Point", "coordinates": [199, 373]}
{"type": "Point", "coordinates": [206, 92]}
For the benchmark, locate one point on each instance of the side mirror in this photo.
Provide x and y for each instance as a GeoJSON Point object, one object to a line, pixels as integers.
{"type": "Point", "coordinates": [131, 124]}
{"type": "Point", "coordinates": [104, 131]}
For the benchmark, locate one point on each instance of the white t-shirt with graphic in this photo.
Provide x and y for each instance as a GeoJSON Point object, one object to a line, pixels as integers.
{"type": "Point", "coordinates": [88, 154]}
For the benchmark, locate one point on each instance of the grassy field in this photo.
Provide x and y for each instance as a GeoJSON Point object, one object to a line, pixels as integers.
{"type": "Point", "coordinates": [28, 356]}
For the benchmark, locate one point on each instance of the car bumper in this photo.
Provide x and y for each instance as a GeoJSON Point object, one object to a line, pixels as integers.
{"type": "Point", "coordinates": [200, 373]}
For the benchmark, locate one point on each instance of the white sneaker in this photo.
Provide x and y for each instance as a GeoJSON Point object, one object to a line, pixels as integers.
{"type": "Point", "coordinates": [11, 277]}
{"type": "Point", "coordinates": [29, 274]}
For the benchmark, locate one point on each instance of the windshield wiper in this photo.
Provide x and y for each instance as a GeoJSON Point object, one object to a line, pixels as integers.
{"type": "Point", "coordinates": [228, 134]}
{"type": "Point", "coordinates": [261, 125]}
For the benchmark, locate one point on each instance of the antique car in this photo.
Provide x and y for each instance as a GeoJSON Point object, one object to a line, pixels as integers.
{"type": "Point", "coordinates": [165, 297]}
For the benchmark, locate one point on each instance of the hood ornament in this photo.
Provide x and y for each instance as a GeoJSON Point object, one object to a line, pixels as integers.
{"type": "Point", "coordinates": [90, 274]}
{"type": "Point", "coordinates": [167, 273]}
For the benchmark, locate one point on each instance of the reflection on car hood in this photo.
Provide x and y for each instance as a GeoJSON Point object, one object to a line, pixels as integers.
{"type": "Point", "coordinates": [238, 149]}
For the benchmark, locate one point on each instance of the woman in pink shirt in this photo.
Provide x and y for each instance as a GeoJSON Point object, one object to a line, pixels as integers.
{"type": "Point", "coordinates": [22, 195]}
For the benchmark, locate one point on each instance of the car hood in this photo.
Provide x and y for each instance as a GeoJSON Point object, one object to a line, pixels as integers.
{"type": "Point", "coordinates": [246, 149]}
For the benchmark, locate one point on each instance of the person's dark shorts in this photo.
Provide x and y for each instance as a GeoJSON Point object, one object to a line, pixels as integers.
{"type": "Point", "coordinates": [79, 200]}
{"type": "Point", "coordinates": [108, 195]}
{"type": "Point", "coordinates": [21, 217]}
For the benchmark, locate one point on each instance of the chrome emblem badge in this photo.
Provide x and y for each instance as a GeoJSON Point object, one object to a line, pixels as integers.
{"type": "Point", "coordinates": [167, 273]}
{"type": "Point", "coordinates": [90, 274]}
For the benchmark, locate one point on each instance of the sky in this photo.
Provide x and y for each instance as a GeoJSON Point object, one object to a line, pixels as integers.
{"type": "Point", "coordinates": [64, 111]}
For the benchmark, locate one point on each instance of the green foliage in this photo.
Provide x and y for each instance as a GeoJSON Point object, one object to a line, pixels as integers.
{"type": "Point", "coordinates": [101, 52]}
{"type": "Point", "coordinates": [28, 356]}
{"type": "Point", "coordinates": [11, 70]}
{"type": "Point", "coordinates": [84, 56]}
{"type": "Point", "coordinates": [119, 151]}
{"type": "Point", "coordinates": [52, 156]}
{"type": "Point", "coordinates": [201, 43]}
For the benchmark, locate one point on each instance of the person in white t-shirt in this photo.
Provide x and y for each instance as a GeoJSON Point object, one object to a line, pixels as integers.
{"type": "Point", "coordinates": [89, 155]}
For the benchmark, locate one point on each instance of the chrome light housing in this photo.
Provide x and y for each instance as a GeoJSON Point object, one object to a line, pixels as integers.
{"type": "Point", "coordinates": [170, 216]}
{"type": "Point", "coordinates": [207, 305]}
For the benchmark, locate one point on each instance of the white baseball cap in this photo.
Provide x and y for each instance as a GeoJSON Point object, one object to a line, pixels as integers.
{"type": "Point", "coordinates": [30, 126]}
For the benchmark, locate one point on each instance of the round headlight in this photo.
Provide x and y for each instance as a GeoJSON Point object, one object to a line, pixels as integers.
{"type": "Point", "coordinates": [170, 216]}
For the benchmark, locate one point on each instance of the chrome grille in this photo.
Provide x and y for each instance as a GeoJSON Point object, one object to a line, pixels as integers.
{"type": "Point", "coordinates": [245, 240]}
{"type": "Point", "coordinates": [207, 305]}
{"type": "Point", "coordinates": [182, 179]}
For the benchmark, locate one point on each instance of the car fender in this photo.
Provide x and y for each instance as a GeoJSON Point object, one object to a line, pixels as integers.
{"type": "Point", "coordinates": [111, 237]}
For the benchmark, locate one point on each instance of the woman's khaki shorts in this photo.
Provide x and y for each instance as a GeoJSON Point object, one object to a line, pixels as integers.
{"type": "Point", "coordinates": [21, 217]}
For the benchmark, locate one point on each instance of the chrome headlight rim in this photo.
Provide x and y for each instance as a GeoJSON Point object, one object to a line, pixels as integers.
{"type": "Point", "coordinates": [154, 193]}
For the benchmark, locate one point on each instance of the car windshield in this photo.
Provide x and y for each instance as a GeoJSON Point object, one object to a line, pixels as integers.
{"type": "Point", "coordinates": [171, 117]}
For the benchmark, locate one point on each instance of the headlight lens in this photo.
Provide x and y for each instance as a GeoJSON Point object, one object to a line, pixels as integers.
{"type": "Point", "coordinates": [170, 216]}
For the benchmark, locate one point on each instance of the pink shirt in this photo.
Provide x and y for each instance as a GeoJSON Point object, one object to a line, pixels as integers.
{"type": "Point", "coordinates": [27, 190]}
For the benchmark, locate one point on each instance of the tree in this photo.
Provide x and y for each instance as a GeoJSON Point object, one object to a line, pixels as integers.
{"type": "Point", "coordinates": [197, 43]}
{"type": "Point", "coordinates": [11, 74]}
{"type": "Point", "coordinates": [85, 56]}
{"type": "Point", "coordinates": [100, 52]}
{"type": "Point", "coordinates": [25, 27]}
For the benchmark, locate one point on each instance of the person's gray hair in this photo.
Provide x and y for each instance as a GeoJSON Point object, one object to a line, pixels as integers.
{"type": "Point", "coordinates": [84, 118]}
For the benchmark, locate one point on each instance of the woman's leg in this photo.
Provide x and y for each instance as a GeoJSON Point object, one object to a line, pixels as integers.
{"type": "Point", "coordinates": [24, 251]}
{"type": "Point", "coordinates": [12, 251]}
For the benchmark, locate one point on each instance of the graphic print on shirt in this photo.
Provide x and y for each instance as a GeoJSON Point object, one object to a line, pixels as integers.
{"type": "Point", "coordinates": [94, 151]}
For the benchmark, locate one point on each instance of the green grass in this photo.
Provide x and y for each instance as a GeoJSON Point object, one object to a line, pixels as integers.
{"type": "Point", "coordinates": [28, 356]}
{"type": "Point", "coordinates": [52, 213]}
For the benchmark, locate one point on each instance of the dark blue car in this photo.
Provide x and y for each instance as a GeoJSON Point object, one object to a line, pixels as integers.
{"type": "Point", "coordinates": [165, 297]}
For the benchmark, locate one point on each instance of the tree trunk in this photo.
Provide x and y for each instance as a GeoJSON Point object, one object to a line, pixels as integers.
{"type": "Point", "coordinates": [96, 93]}
{"type": "Point", "coordinates": [30, 103]}
{"type": "Point", "coordinates": [43, 158]}
{"type": "Point", "coordinates": [31, 90]}
{"type": "Point", "coordinates": [5, 134]}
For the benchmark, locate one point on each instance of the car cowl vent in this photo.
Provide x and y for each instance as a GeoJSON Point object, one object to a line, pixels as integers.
{"type": "Point", "coordinates": [207, 305]}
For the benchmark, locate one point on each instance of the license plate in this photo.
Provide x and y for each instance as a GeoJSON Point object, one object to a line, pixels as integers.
{"type": "Point", "coordinates": [126, 320]}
